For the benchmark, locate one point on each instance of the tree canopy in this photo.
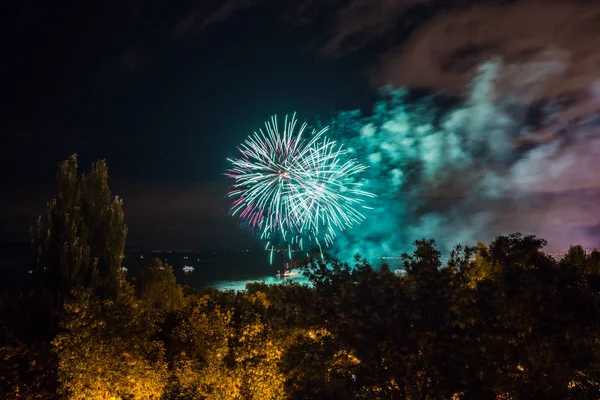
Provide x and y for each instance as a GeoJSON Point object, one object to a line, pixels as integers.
{"type": "Point", "coordinates": [497, 321]}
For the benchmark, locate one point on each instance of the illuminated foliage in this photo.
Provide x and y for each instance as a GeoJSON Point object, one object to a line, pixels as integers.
{"type": "Point", "coordinates": [27, 372]}
{"type": "Point", "coordinates": [201, 352]}
{"type": "Point", "coordinates": [158, 288]}
{"type": "Point", "coordinates": [318, 367]}
{"type": "Point", "coordinates": [481, 325]}
{"type": "Point", "coordinates": [258, 350]}
{"type": "Point", "coordinates": [498, 321]}
{"type": "Point", "coordinates": [106, 350]}
{"type": "Point", "coordinates": [222, 351]}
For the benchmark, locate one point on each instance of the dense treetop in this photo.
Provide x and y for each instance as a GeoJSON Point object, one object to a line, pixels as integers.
{"type": "Point", "coordinates": [494, 321]}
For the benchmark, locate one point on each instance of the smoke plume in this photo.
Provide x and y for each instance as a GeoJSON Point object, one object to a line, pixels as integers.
{"type": "Point", "coordinates": [492, 163]}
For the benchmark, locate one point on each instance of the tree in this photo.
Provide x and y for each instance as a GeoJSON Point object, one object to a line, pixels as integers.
{"type": "Point", "coordinates": [81, 240]}
{"type": "Point", "coordinates": [478, 267]}
{"type": "Point", "coordinates": [27, 371]}
{"type": "Point", "coordinates": [257, 349]}
{"type": "Point", "coordinates": [577, 257]}
{"type": "Point", "coordinates": [107, 349]}
{"type": "Point", "coordinates": [439, 319]}
{"type": "Point", "coordinates": [515, 251]}
{"type": "Point", "coordinates": [224, 347]}
{"type": "Point", "coordinates": [200, 352]}
{"type": "Point", "coordinates": [313, 363]}
{"type": "Point", "coordinates": [537, 322]}
{"type": "Point", "coordinates": [158, 288]}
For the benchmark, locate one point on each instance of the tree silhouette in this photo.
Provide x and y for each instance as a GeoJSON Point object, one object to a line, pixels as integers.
{"type": "Point", "coordinates": [158, 288]}
{"type": "Point", "coordinates": [81, 239]}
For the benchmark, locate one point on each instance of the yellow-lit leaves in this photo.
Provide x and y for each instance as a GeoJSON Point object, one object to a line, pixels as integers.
{"type": "Point", "coordinates": [106, 351]}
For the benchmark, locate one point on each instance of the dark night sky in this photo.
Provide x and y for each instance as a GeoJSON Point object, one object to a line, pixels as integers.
{"type": "Point", "coordinates": [162, 101]}
{"type": "Point", "coordinates": [165, 92]}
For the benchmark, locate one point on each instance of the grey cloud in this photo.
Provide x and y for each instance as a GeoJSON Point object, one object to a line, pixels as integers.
{"type": "Point", "coordinates": [362, 21]}
{"type": "Point", "coordinates": [181, 217]}
{"type": "Point", "coordinates": [471, 177]}
{"type": "Point", "coordinates": [170, 201]}
{"type": "Point", "coordinates": [443, 53]}
{"type": "Point", "coordinates": [200, 18]}
{"type": "Point", "coordinates": [353, 23]}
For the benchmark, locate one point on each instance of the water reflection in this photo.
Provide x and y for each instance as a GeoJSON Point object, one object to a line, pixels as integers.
{"type": "Point", "coordinates": [270, 280]}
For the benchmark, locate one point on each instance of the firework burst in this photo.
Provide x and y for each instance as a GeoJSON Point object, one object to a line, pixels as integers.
{"type": "Point", "coordinates": [295, 189]}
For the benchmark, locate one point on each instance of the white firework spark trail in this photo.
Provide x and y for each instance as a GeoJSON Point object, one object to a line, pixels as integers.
{"type": "Point", "coordinates": [296, 189]}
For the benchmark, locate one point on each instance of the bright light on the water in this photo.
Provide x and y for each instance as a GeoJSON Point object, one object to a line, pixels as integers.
{"type": "Point", "coordinates": [270, 280]}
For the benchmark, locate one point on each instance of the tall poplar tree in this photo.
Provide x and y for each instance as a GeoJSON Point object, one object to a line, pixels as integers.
{"type": "Point", "coordinates": [81, 239]}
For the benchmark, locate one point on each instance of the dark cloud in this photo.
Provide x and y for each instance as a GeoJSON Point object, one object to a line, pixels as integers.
{"type": "Point", "coordinates": [349, 24]}
{"type": "Point", "coordinates": [594, 231]}
{"type": "Point", "coordinates": [206, 198]}
{"type": "Point", "coordinates": [444, 53]}
{"type": "Point", "coordinates": [201, 17]}
{"type": "Point", "coordinates": [193, 217]}
{"type": "Point", "coordinates": [358, 22]}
